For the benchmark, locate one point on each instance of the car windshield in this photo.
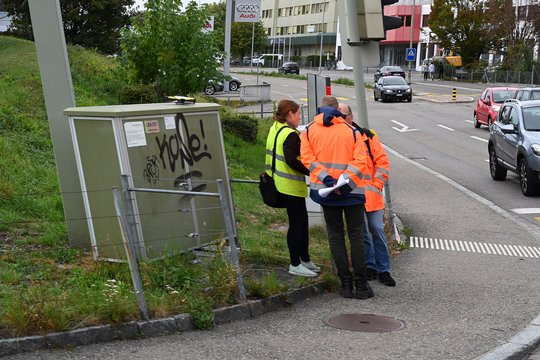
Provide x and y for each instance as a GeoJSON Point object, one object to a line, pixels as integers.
{"type": "Point", "coordinates": [394, 81]}
{"type": "Point", "coordinates": [531, 118]}
{"type": "Point", "coordinates": [393, 68]}
{"type": "Point", "coordinates": [500, 96]}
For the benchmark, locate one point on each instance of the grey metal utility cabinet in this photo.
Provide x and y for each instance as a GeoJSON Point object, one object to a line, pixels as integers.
{"type": "Point", "coordinates": [161, 146]}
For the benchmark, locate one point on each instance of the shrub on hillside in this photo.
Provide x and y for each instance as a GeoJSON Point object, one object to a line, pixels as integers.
{"type": "Point", "coordinates": [138, 94]}
{"type": "Point", "coordinates": [242, 125]}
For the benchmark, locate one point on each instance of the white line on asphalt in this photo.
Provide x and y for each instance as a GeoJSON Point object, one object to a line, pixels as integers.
{"type": "Point", "coordinates": [534, 230]}
{"type": "Point", "coordinates": [526, 210]}
{"type": "Point", "coordinates": [445, 127]}
{"type": "Point", "coordinates": [475, 247]}
{"type": "Point", "coordinates": [469, 121]}
{"type": "Point", "coordinates": [477, 138]}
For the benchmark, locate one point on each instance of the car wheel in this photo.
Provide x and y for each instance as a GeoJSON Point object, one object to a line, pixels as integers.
{"type": "Point", "coordinates": [209, 90]}
{"type": "Point", "coordinates": [409, 99]}
{"type": "Point", "coordinates": [475, 121]}
{"type": "Point", "coordinates": [383, 98]}
{"type": "Point", "coordinates": [233, 85]}
{"type": "Point", "coordinates": [375, 96]}
{"type": "Point", "coordinates": [529, 185]}
{"type": "Point", "coordinates": [498, 173]}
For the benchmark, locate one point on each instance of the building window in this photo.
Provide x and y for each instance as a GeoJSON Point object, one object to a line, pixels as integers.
{"type": "Point", "coordinates": [305, 9]}
{"type": "Point", "coordinates": [268, 31]}
{"type": "Point", "coordinates": [522, 12]}
{"type": "Point", "coordinates": [425, 19]}
{"type": "Point", "coordinates": [407, 20]}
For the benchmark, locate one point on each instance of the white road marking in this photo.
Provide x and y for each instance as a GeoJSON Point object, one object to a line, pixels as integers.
{"type": "Point", "coordinates": [526, 211]}
{"type": "Point", "coordinates": [477, 138]}
{"type": "Point", "coordinates": [469, 121]}
{"type": "Point", "coordinates": [404, 128]}
{"type": "Point", "coordinates": [475, 247]}
{"type": "Point", "coordinates": [445, 127]}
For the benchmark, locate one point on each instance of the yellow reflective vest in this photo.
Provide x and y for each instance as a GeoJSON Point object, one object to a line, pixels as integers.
{"type": "Point", "coordinates": [288, 181]}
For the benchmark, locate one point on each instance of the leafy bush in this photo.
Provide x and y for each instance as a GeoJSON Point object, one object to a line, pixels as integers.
{"type": "Point", "coordinates": [138, 94]}
{"type": "Point", "coordinates": [242, 125]}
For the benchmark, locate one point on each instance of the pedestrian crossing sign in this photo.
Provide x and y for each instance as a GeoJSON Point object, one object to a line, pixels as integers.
{"type": "Point", "coordinates": [410, 54]}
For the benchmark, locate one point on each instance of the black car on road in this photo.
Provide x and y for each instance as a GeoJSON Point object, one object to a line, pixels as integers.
{"type": "Point", "coordinates": [388, 71]}
{"type": "Point", "coordinates": [392, 88]}
{"type": "Point", "coordinates": [217, 86]}
{"type": "Point", "coordinates": [289, 68]}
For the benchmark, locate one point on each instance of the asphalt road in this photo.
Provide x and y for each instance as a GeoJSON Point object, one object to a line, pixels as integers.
{"type": "Point", "coordinates": [468, 294]}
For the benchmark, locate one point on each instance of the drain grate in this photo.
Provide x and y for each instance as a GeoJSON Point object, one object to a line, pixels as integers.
{"type": "Point", "coordinates": [365, 323]}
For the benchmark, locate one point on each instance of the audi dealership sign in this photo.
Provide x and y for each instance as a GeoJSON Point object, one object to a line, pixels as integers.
{"type": "Point", "coordinates": [247, 10]}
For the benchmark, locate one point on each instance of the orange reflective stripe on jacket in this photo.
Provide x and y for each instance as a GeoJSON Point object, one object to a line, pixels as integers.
{"type": "Point", "coordinates": [334, 150]}
{"type": "Point", "coordinates": [380, 169]}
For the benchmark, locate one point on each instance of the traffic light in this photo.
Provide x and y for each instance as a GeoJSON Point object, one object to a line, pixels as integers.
{"type": "Point", "coordinates": [372, 23]}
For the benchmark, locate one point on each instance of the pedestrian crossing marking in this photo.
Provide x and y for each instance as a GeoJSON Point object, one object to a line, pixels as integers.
{"type": "Point", "coordinates": [527, 210]}
{"type": "Point", "coordinates": [475, 247]}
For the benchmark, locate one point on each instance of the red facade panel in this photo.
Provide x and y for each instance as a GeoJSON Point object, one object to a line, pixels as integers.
{"type": "Point", "coordinates": [403, 34]}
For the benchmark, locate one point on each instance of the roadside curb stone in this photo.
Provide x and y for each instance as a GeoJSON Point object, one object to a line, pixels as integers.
{"type": "Point", "coordinates": [519, 346]}
{"type": "Point", "coordinates": [154, 327]}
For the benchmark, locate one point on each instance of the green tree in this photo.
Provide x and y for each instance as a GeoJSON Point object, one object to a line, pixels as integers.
{"type": "Point", "coordinates": [515, 35]}
{"type": "Point", "coordinates": [461, 26]}
{"type": "Point", "coordinates": [167, 47]}
{"type": "Point", "coordinates": [89, 23]}
{"type": "Point", "coordinates": [241, 32]}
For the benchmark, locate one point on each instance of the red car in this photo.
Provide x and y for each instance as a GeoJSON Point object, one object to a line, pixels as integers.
{"type": "Point", "coordinates": [489, 103]}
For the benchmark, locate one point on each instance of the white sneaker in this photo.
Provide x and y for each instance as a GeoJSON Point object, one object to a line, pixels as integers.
{"type": "Point", "coordinates": [300, 270]}
{"type": "Point", "coordinates": [311, 266]}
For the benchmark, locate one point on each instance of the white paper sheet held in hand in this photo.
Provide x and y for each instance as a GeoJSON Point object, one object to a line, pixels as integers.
{"type": "Point", "coordinates": [327, 191]}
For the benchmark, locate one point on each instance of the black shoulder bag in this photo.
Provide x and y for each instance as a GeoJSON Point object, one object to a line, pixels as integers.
{"type": "Point", "coordinates": [267, 186]}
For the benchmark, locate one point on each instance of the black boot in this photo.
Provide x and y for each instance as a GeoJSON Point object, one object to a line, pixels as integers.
{"type": "Point", "coordinates": [346, 288]}
{"type": "Point", "coordinates": [371, 274]}
{"type": "Point", "coordinates": [386, 279]}
{"type": "Point", "coordinates": [363, 291]}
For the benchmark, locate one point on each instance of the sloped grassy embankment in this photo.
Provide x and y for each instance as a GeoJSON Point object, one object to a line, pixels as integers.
{"type": "Point", "coordinates": [45, 285]}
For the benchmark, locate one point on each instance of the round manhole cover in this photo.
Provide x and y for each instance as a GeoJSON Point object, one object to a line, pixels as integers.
{"type": "Point", "coordinates": [365, 323]}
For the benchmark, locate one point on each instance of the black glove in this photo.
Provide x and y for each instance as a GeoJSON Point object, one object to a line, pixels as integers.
{"type": "Point", "coordinates": [329, 181]}
{"type": "Point", "coordinates": [345, 189]}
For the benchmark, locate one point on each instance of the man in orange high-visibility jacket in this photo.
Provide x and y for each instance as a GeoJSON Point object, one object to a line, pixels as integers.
{"type": "Point", "coordinates": [331, 148]}
{"type": "Point", "coordinates": [377, 255]}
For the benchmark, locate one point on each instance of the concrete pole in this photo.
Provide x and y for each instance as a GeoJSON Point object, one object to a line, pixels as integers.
{"type": "Point", "coordinates": [252, 44]}
{"type": "Point", "coordinates": [410, 38]}
{"type": "Point", "coordinates": [58, 93]}
{"type": "Point", "coordinates": [228, 19]}
{"type": "Point", "coordinates": [358, 67]}
{"type": "Point", "coordinates": [322, 34]}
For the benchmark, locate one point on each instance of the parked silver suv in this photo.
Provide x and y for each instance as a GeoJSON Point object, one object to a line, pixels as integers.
{"type": "Point", "coordinates": [514, 144]}
{"type": "Point", "coordinates": [527, 93]}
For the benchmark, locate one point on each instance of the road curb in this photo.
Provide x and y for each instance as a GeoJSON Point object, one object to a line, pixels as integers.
{"type": "Point", "coordinates": [154, 327]}
{"type": "Point", "coordinates": [519, 346]}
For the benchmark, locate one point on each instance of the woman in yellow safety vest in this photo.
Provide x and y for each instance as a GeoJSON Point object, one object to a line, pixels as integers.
{"type": "Point", "coordinates": [290, 182]}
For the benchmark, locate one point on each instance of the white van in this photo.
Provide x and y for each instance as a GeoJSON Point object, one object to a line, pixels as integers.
{"type": "Point", "coordinates": [273, 60]}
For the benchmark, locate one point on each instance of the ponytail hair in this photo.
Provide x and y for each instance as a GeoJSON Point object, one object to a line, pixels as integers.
{"type": "Point", "coordinates": [284, 106]}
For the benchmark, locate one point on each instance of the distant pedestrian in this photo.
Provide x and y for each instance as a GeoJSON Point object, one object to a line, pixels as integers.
{"type": "Point", "coordinates": [425, 70]}
{"type": "Point", "coordinates": [441, 72]}
{"type": "Point", "coordinates": [431, 70]}
{"type": "Point", "coordinates": [331, 149]}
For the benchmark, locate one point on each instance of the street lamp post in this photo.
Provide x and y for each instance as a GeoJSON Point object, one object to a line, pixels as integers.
{"type": "Point", "coordinates": [410, 37]}
{"type": "Point", "coordinates": [322, 34]}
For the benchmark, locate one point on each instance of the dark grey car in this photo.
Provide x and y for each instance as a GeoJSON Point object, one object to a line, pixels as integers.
{"type": "Point", "coordinates": [392, 88]}
{"type": "Point", "coordinates": [514, 144]}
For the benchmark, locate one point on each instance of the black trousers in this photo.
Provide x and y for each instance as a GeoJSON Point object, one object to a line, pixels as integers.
{"type": "Point", "coordinates": [298, 233]}
{"type": "Point", "coordinates": [354, 217]}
